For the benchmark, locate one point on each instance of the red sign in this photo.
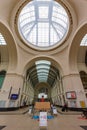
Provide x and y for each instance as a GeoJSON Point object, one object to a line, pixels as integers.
{"type": "Point", "coordinates": [71, 95]}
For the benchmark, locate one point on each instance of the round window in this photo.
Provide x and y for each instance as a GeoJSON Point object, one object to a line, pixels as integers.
{"type": "Point", "coordinates": [43, 23]}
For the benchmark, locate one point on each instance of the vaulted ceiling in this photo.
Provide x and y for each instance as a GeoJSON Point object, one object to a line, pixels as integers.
{"type": "Point", "coordinates": [42, 71]}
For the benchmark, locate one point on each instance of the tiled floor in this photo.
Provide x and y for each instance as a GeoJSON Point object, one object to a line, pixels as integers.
{"type": "Point", "coordinates": [25, 122]}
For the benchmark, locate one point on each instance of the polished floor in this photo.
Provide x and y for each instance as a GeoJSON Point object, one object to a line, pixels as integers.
{"type": "Point", "coordinates": [15, 121]}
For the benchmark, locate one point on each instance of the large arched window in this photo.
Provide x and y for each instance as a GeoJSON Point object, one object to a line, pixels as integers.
{"type": "Point", "coordinates": [2, 40]}
{"type": "Point", "coordinates": [43, 23]}
{"type": "Point", "coordinates": [84, 41]}
{"type": "Point", "coordinates": [2, 77]}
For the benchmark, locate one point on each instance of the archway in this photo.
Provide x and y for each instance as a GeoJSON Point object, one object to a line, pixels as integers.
{"type": "Point", "coordinates": [40, 73]}
{"type": "Point", "coordinates": [74, 46]}
{"type": "Point", "coordinates": [10, 51]}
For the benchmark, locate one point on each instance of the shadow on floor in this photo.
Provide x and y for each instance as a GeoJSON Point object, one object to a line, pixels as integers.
{"type": "Point", "coordinates": [84, 127]}
{"type": "Point", "coordinates": [1, 127]}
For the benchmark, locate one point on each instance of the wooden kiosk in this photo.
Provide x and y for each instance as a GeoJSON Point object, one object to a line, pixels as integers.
{"type": "Point", "coordinates": [43, 106]}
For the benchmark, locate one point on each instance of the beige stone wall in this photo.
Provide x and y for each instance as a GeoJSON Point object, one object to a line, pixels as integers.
{"type": "Point", "coordinates": [65, 57]}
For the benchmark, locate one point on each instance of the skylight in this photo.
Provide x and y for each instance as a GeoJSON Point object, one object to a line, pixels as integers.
{"type": "Point", "coordinates": [42, 14]}
{"type": "Point", "coordinates": [43, 23]}
{"type": "Point", "coordinates": [42, 67]}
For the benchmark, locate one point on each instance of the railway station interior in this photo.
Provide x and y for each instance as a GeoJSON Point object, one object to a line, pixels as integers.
{"type": "Point", "coordinates": [43, 52]}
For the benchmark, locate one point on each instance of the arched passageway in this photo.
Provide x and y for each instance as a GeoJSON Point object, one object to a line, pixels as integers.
{"type": "Point", "coordinates": [43, 77]}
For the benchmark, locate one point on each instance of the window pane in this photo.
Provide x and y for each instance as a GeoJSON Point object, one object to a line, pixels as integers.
{"type": "Point", "coordinates": [2, 40]}
{"type": "Point", "coordinates": [43, 12]}
{"type": "Point", "coordinates": [43, 23]}
{"type": "Point", "coordinates": [84, 41]}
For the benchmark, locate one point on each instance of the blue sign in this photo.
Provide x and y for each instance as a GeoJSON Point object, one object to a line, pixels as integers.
{"type": "Point", "coordinates": [14, 96]}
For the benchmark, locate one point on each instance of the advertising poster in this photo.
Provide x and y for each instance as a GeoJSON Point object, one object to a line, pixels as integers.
{"type": "Point", "coordinates": [43, 119]}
